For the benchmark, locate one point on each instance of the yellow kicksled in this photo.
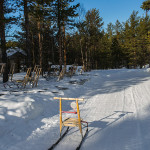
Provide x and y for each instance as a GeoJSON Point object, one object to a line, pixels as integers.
{"type": "Point", "coordinates": [70, 122]}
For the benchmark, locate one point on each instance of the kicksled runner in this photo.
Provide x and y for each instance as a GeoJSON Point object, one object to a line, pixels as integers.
{"type": "Point", "coordinates": [71, 122]}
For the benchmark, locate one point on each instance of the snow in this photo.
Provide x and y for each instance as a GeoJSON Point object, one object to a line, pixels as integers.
{"type": "Point", "coordinates": [116, 106]}
{"type": "Point", "coordinates": [12, 51]}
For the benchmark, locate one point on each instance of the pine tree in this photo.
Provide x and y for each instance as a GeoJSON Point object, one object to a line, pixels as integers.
{"type": "Point", "coordinates": [26, 15]}
{"type": "Point", "coordinates": [63, 13]}
{"type": "Point", "coordinates": [93, 31]}
{"type": "Point", "coordinates": [146, 6]}
{"type": "Point", "coordinates": [126, 43]}
{"type": "Point", "coordinates": [116, 53]}
{"type": "Point", "coordinates": [37, 25]}
{"type": "Point", "coordinates": [143, 52]}
{"type": "Point", "coordinates": [110, 31]}
{"type": "Point", "coordinates": [2, 37]}
{"type": "Point", "coordinates": [6, 18]}
{"type": "Point", "coordinates": [131, 38]}
{"type": "Point", "coordinates": [118, 29]}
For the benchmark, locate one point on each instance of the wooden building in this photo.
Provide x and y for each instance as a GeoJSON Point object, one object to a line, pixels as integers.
{"type": "Point", "coordinates": [17, 56]}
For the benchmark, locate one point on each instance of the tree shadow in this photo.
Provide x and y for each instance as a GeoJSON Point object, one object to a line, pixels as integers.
{"type": "Point", "coordinates": [102, 124]}
{"type": "Point", "coordinates": [131, 133]}
{"type": "Point", "coordinates": [105, 81]}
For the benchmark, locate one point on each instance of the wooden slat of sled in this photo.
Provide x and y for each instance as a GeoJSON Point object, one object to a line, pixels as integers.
{"type": "Point", "coordinates": [79, 99]}
{"type": "Point", "coordinates": [73, 122]}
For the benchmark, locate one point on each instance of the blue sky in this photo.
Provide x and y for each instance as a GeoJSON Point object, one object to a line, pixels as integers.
{"type": "Point", "coordinates": [111, 10]}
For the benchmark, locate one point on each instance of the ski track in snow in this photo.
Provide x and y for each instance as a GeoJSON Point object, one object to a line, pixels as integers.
{"type": "Point", "coordinates": [116, 105]}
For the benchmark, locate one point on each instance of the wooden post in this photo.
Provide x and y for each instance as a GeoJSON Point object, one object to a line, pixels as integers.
{"type": "Point", "coordinates": [79, 119]}
{"type": "Point", "coordinates": [12, 70]}
{"type": "Point", "coordinates": [39, 73]}
{"type": "Point", "coordinates": [60, 111]}
{"type": "Point", "coordinates": [26, 78]}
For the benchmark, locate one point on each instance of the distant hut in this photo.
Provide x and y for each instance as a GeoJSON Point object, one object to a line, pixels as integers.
{"type": "Point", "coordinates": [17, 56]}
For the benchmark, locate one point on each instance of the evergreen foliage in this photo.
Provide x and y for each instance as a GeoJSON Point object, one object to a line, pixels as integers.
{"type": "Point", "coordinates": [47, 35]}
{"type": "Point", "coordinates": [7, 18]}
{"type": "Point", "coordinates": [146, 6]}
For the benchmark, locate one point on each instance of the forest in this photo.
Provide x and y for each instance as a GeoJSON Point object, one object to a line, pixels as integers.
{"type": "Point", "coordinates": [61, 32]}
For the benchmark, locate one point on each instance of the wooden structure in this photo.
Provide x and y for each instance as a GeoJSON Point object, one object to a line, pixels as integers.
{"type": "Point", "coordinates": [61, 75]}
{"type": "Point", "coordinates": [73, 69]}
{"type": "Point", "coordinates": [31, 77]}
{"type": "Point", "coordinates": [52, 72]}
{"type": "Point", "coordinates": [70, 73]}
{"type": "Point", "coordinates": [26, 78]}
{"type": "Point", "coordinates": [35, 75]}
{"type": "Point", "coordinates": [16, 55]}
{"type": "Point", "coordinates": [75, 66]}
{"type": "Point", "coordinates": [2, 68]}
{"type": "Point", "coordinates": [70, 122]}
{"type": "Point", "coordinates": [11, 71]}
{"type": "Point", "coordinates": [36, 68]}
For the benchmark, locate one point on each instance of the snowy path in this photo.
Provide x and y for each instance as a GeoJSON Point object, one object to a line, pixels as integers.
{"type": "Point", "coordinates": [117, 107]}
{"type": "Point", "coordinates": [117, 118]}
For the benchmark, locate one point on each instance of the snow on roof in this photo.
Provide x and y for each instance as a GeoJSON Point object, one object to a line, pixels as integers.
{"type": "Point", "coordinates": [12, 51]}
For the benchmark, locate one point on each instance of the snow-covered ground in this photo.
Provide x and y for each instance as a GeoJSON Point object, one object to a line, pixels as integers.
{"type": "Point", "coordinates": [117, 107]}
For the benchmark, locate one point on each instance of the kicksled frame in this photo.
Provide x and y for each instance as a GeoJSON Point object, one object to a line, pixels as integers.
{"type": "Point", "coordinates": [70, 122]}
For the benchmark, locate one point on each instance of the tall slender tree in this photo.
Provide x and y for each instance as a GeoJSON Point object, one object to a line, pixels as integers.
{"type": "Point", "coordinates": [63, 12]}
{"type": "Point", "coordinates": [146, 6]}
{"type": "Point", "coordinates": [116, 53]}
{"type": "Point", "coordinates": [2, 37]}
{"type": "Point", "coordinates": [6, 18]}
{"type": "Point", "coordinates": [143, 41]}
{"type": "Point", "coordinates": [93, 30]}
{"type": "Point", "coordinates": [26, 16]}
{"type": "Point", "coordinates": [118, 29]}
{"type": "Point", "coordinates": [110, 31]}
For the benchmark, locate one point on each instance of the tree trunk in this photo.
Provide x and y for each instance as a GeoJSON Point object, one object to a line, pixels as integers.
{"type": "Point", "coordinates": [65, 58]}
{"type": "Point", "coordinates": [3, 41]}
{"type": "Point", "coordinates": [83, 61]}
{"type": "Point", "coordinates": [40, 42]}
{"type": "Point", "coordinates": [33, 53]}
{"type": "Point", "coordinates": [53, 54]}
{"type": "Point", "coordinates": [59, 35]}
{"type": "Point", "coordinates": [86, 56]}
{"type": "Point", "coordinates": [27, 33]}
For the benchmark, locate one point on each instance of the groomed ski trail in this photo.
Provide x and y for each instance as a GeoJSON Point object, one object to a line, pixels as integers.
{"type": "Point", "coordinates": [116, 106]}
